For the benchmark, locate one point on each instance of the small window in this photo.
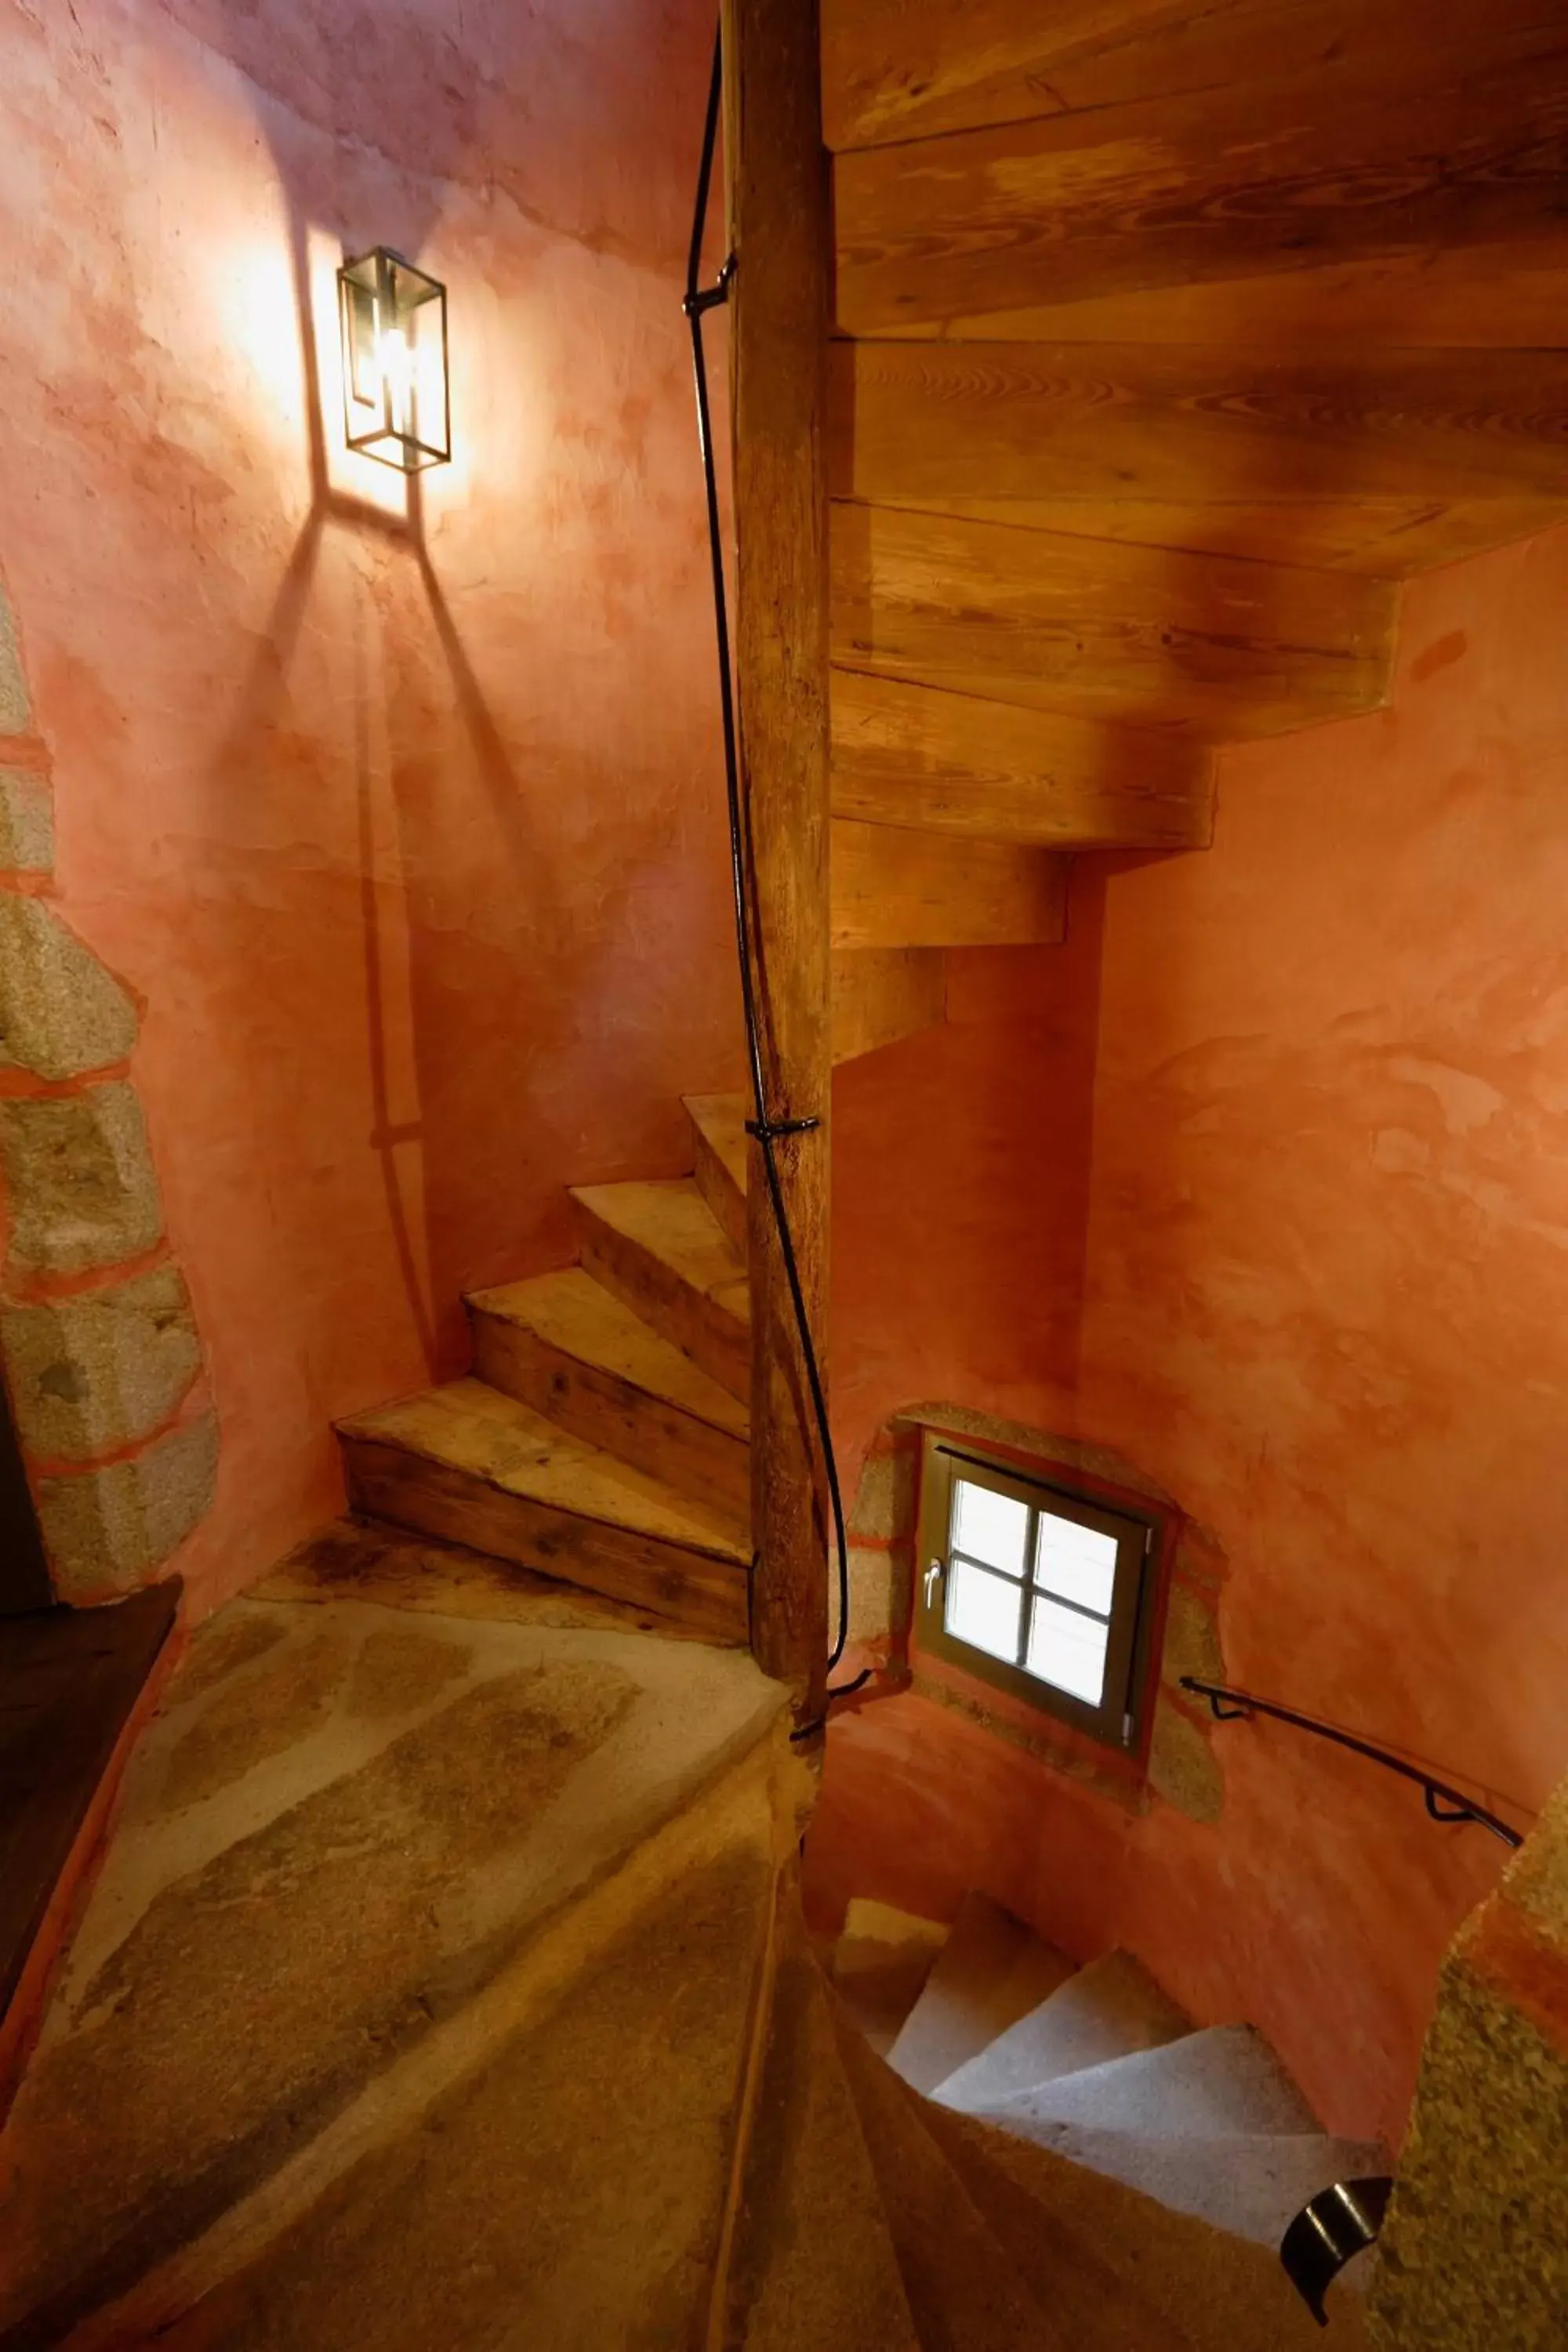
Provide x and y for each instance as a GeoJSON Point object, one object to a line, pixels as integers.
{"type": "Point", "coordinates": [1038, 1585]}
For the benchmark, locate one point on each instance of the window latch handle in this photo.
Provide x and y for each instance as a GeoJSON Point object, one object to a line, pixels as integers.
{"type": "Point", "coordinates": [933, 1578]}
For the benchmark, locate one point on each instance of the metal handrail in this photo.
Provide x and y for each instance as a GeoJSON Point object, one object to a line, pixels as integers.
{"type": "Point", "coordinates": [1229, 1705]}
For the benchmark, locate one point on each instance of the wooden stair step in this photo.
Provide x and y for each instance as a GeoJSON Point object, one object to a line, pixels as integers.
{"type": "Point", "coordinates": [1420, 148]}
{"type": "Point", "coordinates": [880, 994]}
{"type": "Point", "coordinates": [916, 755]}
{"type": "Point", "coordinates": [893, 886]}
{"type": "Point", "coordinates": [718, 1135]}
{"type": "Point", "coordinates": [892, 73]}
{"type": "Point", "coordinates": [1383, 539]}
{"type": "Point", "coordinates": [1499, 295]}
{"type": "Point", "coordinates": [564, 1346]}
{"type": "Point", "coordinates": [1220, 646]}
{"type": "Point", "coordinates": [933, 421]}
{"type": "Point", "coordinates": [662, 1252]}
{"type": "Point", "coordinates": [475, 1467]}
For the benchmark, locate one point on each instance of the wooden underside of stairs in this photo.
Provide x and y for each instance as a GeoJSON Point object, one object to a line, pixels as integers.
{"type": "Point", "coordinates": [1171, 340]}
{"type": "Point", "coordinates": [603, 1438]}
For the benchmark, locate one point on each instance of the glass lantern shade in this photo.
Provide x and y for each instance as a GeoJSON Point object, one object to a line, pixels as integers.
{"type": "Point", "coordinates": [395, 394]}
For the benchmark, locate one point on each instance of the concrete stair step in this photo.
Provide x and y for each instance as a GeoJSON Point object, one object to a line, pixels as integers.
{"type": "Point", "coordinates": [719, 1138]}
{"type": "Point", "coordinates": [812, 2260]}
{"type": "Point", "coordinates": [1220, 2083]}
{"type": "Point", "coordinates": [661, 1250]}
{"type": "Point", "coordinates": [879, 1966]}
{"type": "Point", "coordinates": [473, 1467]}
{"type": "Point", "coordinates": [567, 1348]}
{"type": "Point", "coordinates": [966, 2293]}
{"type": "Point", "coordinates": [1250, 2184]}
{"type": "Point", "coordinates": [991, 1972]}
{"type": "Point", "coordinates": [417, 1974]}
{"type": "Point", "coordinates": [1111, 2008]}
{"type": "Point", "coordinates": [1119, 2273]}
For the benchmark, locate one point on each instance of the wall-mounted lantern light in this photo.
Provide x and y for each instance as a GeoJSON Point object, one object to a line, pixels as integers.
{"type": "Point", "coordinates": [395, 395]}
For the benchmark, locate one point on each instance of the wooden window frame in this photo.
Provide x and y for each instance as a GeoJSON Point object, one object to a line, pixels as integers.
{"type": "Point", "coordinates": [1139, 1532]}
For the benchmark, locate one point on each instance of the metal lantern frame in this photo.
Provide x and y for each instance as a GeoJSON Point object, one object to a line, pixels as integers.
{"type": "Point", "coordinates": [408, 423]}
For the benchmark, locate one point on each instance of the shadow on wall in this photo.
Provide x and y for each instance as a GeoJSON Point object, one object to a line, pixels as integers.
{"type": "Point", "coordinates": [477, 1012]}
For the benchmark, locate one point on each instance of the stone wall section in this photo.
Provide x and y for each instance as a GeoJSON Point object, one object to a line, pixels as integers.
{"type": "Point", "coordinates": [1183, 1768]}
{"type": "Point", "coordinates": [102, 1358]}
{"type": "Point", "coordinates": [1475, 2252]}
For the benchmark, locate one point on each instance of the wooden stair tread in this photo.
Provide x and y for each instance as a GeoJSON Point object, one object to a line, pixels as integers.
{"type": "Point", "coordinates": [670, 1220]}
{"type": "Point", "coordinates": [581, 1318]}
{"type": "Point", "coordinates": [469, 1427]}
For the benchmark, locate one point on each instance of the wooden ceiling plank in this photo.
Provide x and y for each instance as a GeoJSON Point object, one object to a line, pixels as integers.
{"type": "Point", "coordinates": [914, 756]}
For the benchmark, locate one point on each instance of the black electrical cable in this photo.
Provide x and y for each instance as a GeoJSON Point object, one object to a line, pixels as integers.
{"type": "Point", "coordinates": [768, 1130]}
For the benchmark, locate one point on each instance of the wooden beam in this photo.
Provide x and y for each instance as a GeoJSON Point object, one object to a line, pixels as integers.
{"type": "Point", "coordinates": [880, 994]}
{"type": "Point", "coordinates": [1220, 185]}
{"type": "Point", "coordinates": [1112, 422]}
{"type": "Point", "coordinates": [894, 73]}
{"type": "Point", "coordinates": [911, 755]}
{"type": "Point", "coordinates": [1151, 636]}
{"type": "Point", "coordinates": [894, 888]}
{"type": "Point", "coordinates": [781, 236]}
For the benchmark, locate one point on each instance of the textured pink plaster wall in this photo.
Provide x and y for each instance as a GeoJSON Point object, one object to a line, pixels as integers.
{"type": "Point", "coordinates": [1325, 1305]}
{"type": "Point", "coordinates": [405, 822]}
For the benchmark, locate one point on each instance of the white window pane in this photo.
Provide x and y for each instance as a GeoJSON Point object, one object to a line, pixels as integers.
{"type": "Point", "coordinates": [1068, 1651]}
{"type": "Point", "coordinates": [983, 1610]}
{"type": "Point", "coordinates": [992, 1527]}
{"type": "Point", "coordinates": [1078, 1562]}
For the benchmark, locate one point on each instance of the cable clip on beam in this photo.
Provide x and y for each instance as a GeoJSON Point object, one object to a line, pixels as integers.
{"type": "Point", "coordinates": [710, 298]}
{"type": "Point", "coordinates": [770, 1130]}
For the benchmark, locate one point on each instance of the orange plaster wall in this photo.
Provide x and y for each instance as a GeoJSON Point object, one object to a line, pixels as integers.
{"type": "Point", "coordinates": [406, 823]}
{"type": "Point", "coordinates": [1325, 1305]}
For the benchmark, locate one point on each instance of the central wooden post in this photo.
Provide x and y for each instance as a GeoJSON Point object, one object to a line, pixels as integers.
{"type": "Point", "coordinates": [779, 232]}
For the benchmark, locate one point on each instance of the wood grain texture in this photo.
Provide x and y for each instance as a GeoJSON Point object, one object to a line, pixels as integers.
{"type": "Point", "coordinates": [562, 1345]}
{"type": "Point", "coordinates": [660, 1251]}
{"type": "Point", "coordinates": [1499, 295]}
{"type": "Point", "coordinates": [937, 421]}
{"type": "Point", "coordinates": [1385, 538]}
{"type": "Point", "coordinates": [895, 887]}
{"type": "Point", "coordinates": [473, 1467]}
{"type": "Point", "coordinates": [408, 1490]}
{"type": "Point", "coordinates": [1223, 647]}
{"type": "Point", "coordinates": [1221, 184]}
{"type": "Point", "coordinates": [913, 755]}
{"type": "Point", "coordinates": [779, 227]}
{"type": "Point", "coordinates": [880, 994]}
{"type": "Point", "coordinates": [894, 73]}
{"type": "Point", "coordinates": [720, 1147]}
